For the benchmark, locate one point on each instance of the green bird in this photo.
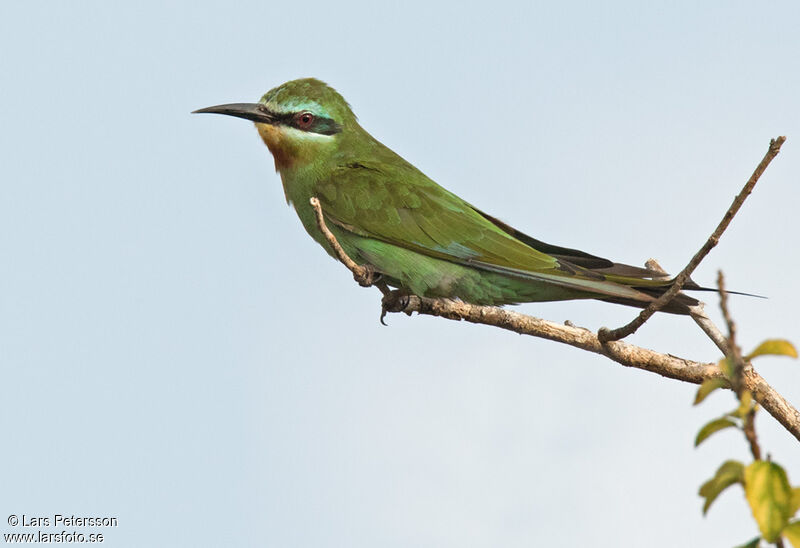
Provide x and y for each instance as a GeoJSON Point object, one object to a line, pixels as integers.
{"type": "Point", "coordinates": [417, 236]}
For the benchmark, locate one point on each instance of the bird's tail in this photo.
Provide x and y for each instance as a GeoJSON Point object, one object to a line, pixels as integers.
{"type": "Point", "coordinates": [680, 304]}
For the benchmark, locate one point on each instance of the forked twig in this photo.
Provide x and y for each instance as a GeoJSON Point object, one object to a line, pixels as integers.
{"type": "Point", "coordinates": [630, 328]}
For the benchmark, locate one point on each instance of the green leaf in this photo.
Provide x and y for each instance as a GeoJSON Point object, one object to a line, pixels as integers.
{"type": "Point", "coordinates": [792, 533]}
{"type": "Point", "coordinates": [745, 405]}
{"type": "Point", "coordinates": [714, 426]}
{"type": "Point", "coordinates": [795, 501]}
{"type": "Point", "coordinates": [708, 386]}
{"type": "Point", "coordinates": [770, 496]}
{"type": "Point", "coordinates": [775, 347]}
{"type": "Point", "coordinates": [752, 544]}
{"type": "Point", "coordinates": [726, 366]}
{"type": "Point", "coordinates": [730, 472]}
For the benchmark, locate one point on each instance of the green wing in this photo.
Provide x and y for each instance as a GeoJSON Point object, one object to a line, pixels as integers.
{"type": "Point", "coordinates": [399, 205]}
{"type": "Point", "coordinates": [417, 214]}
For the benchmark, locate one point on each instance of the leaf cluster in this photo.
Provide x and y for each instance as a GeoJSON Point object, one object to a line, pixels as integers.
{"type": "Point", "coordinates": [772, 499]}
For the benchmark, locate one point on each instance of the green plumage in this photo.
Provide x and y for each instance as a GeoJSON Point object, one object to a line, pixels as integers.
{"type": "Point", "coordinates": [420, 237]}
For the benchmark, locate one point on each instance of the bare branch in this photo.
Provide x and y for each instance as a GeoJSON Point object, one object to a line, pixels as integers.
{"type": "Point", "coordinates": [630, 328]}
{"type": "Point", "coordinates": [623, 353]}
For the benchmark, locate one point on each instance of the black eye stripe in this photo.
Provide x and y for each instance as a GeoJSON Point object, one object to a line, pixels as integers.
{"type": "Point", "coordinates": [324, 126]}
{"type": "Point", "coordinates": [321, 125]}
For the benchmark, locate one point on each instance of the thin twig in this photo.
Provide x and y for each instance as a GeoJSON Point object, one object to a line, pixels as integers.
{"type": "Point", "coordinates": [356, 269]}
{"type": "Point", "coordinates": [700, 317]}
{"type": "Point", "coordinates": [623, 353]}
{"type": "Point", "coordinates": [630, 328]}
{"type": "Point", "coordinates": [750, 433]}
{"type": "Point", "coordinates": [734, 353]}
{"type": "Point", "coordinates": [738, 365]}
{"type": "Point", "coordinates": [361, 274]}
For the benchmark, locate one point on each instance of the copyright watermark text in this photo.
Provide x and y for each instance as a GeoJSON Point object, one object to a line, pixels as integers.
{"type": "Point", "coordinates": [57, 521]}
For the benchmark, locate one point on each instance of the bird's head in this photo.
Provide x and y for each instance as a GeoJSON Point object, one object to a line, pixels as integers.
{"type": "Point", "coordinates": [300, 121]}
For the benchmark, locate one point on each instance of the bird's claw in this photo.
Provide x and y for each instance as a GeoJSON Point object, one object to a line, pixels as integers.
{"type": "Point", "coordinates": [394, 301]}
{"type": "Point", "coordinates": [368, 277]}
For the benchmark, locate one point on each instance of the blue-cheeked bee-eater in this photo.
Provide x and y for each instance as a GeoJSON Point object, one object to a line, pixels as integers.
{"type": "Point", "coordinates": [414, 234]}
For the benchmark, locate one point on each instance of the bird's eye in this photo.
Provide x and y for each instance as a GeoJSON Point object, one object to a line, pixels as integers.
{"type": "Point", "coordinates": [304, 120]}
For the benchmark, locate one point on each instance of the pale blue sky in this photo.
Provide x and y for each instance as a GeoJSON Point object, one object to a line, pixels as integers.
{"type": "Point", "coordinates": [176, 352]}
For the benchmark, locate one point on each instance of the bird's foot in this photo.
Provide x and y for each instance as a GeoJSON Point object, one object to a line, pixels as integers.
{"type": "Point", "coordinates": [394, 301]}
{"type": "Point", "coordinates": [368, 277]}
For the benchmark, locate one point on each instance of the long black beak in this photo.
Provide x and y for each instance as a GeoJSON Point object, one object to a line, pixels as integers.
{"type": "Point", "coordinates": [249, 111]}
